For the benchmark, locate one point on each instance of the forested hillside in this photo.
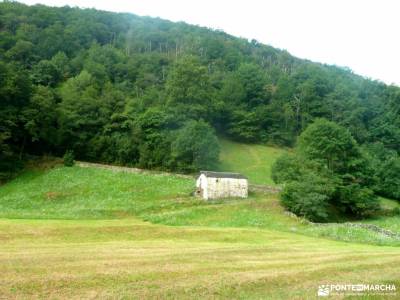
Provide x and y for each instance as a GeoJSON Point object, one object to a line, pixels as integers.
{"type": "Point", "coordinates": [152, 93]}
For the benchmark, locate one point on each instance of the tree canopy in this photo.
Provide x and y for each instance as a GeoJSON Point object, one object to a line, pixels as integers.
{"type": "Point", "coordinates": [119, 88]}
{"type": "Point", "coordinates": [327, 174]}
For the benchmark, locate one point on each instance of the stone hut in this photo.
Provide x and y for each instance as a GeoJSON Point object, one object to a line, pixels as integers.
{"type": "Point", "coordinates": [216, 185]}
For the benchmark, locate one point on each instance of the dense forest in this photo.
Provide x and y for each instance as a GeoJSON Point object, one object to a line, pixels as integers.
{"type": "Point", "coordinates": [124, 89]}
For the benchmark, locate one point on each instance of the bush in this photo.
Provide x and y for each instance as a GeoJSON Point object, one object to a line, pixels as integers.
{"type": "Point", "coordinates": [389, 178]}
{"type": "Point", "coordinates": [69, 158]}
{"type": "Point", "coordinates": [385, 168]}
{"type": "Point", "coordinates": [286, 168]}
{"type": "Point", "coordinates": [293, 167]}
{"type": "Point", "coordinates": [308, 198]}
{"type": "Point", "coordinates": [9, 167]}
{"type": "Point", "coordinates": [328, 170]}
{"type": "Point", "coordinates": [357, 200]}
{"type": "Point", "coordinates": [396, 211]}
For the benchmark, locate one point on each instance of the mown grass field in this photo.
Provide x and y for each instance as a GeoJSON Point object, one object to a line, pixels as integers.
{"type": "Point", "coordinates": [131, 259]}
{"type": "Point", "coordinates": [93, 233]}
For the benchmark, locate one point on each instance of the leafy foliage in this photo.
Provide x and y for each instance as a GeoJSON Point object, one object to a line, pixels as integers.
{"type": "Point", "coordinates": [120, 88]}
{"type": "Point", "coordinates": [329, 144]}
{"type": "Point", "coordinates": [195, 147]}
{"type": "Point", "coordinates": [327, 169]}
{"type": "Point", "coordinates": [389, 178]}
{"type": "Point", "coordinates": [69, 158]}
{"type": "Point", "coordinates": [385, 165]}
{"type": "Point", "coordinates": [308, 197]}
{"type": "Point", "coordinates": [357, 200]}
{"type": "Point", "coordinates": [286, 168]}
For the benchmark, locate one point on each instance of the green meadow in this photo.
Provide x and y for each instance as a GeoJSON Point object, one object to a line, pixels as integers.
{"type": "Point", "coordinates": [254, 161]}
{"type": "Point", "coordinates": [95, 233]}
{"type": "Point", "coordinates": [131, 259]}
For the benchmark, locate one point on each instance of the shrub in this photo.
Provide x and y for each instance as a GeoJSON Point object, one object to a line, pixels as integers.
{"type": "Point", "coordinates": [357, 200]}
{"type": "Point", "coordinates": [389, 178]}
{"type": "Point", "coordinates": [308, 198]}
{"type": "Point", "coordinates": [328, 170]}
{"type": "Point", "coordinates": [286, 168]}
{"type": "Point", "coordinates": [69, 158]}
{"type": "Point", "coordinates": [396, 211]}
{"type": "Point", "coordinates": [9, 167]}
{"type": "Point", "coordinates": [385, 168]}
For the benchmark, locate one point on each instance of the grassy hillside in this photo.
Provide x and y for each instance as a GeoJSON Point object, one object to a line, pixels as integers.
{"type": "Point", "coordinates": [102, 246]}
{"type": "Point", "coordinates": [76, 192]}
{"type": "Point", "coordinates": [90, 193]}
{"type": "Point", "coordinates": [252, 160]}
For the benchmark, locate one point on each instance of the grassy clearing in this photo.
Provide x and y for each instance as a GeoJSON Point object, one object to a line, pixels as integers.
{"type": "Point", "coordinates": [133, 259]}
{"type": "Point", "coordinates": [388, 204]}
{"type": "Point", "coordinates": [254, 161]}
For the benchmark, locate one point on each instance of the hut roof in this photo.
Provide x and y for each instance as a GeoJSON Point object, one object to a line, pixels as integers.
{"type": "Point", "coordinates": [223, 175]}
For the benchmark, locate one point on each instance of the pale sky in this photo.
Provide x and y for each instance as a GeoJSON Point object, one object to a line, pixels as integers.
{"type": "Point", "coordinates": [360, 34]}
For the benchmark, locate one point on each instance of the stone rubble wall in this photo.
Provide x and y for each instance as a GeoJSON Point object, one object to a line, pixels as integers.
{"type": "Point", "coordinates": [371, 227]}
{"type": "Point", "coordinates": [265, 189]}
{"type": "Point", "coordinates": [128, 169]}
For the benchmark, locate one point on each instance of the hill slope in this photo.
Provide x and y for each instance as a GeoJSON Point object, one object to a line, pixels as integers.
{"type": "Point", "coordinates": [119, 88]}
{"type": "Point", "coordinates": [91, 193]}
{"type": "Point", "coordinates": [254, 161]}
